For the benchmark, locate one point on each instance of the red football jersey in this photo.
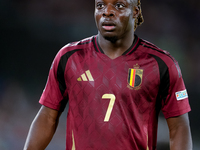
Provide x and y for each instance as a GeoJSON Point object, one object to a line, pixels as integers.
{"type": "Point", "coordinates": [114, 103]}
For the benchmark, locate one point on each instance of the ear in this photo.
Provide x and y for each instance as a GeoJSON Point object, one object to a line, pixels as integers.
{"type": "Point", "coordinates": [136, 11]}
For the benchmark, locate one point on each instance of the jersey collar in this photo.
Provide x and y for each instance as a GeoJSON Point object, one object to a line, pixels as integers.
{"type": "Point", "coordinates": [130, 50]}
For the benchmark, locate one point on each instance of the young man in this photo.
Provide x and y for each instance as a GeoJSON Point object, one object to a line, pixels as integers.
{"type": "Point", "coordinates": [115, 84]}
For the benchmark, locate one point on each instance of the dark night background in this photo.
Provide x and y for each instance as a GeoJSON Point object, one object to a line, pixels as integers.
{"type": "Point", "coordinates": [32, 31]}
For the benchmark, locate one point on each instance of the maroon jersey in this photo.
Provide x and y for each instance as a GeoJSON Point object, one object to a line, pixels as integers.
{"type": "Point", "coordinates": [114, 103]}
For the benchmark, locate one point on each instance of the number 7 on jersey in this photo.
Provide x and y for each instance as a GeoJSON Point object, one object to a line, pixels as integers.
{"type": "Point", "coordinates": [110, 106]}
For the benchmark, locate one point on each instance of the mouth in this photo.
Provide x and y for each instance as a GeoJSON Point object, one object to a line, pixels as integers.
{"type": "Point", "coordinates": [108, 26]}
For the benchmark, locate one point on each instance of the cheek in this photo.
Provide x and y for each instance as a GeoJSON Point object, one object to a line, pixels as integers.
{"type": "Point", "coordinates": [97, 17]}
{"type": "Point", "coordinates": [125, 18]}
{"type": "Point", "coordinates": [126, 15]}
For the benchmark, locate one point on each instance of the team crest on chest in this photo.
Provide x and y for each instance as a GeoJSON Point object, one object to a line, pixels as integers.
{"type": "Point", "coordinates": [135, 77]}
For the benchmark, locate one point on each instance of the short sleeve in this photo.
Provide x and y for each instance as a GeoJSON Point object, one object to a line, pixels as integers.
{"type": "Point", "coordinates": [176, 102]}
{"type": "Point", "coordinates": [52, 96]}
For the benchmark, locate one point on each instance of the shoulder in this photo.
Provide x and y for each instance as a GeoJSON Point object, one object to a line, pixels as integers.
{"type": "Point", "coordinates": [163, 57]}
{"type": "Point", "coordinates": [69, 49]}
{"type": "Point", "coordinates": [153, 50]}
{"type": "Point", "coordinates": [76, 46]}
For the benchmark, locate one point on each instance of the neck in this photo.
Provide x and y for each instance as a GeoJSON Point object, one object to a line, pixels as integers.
{"type": "Point", "coordinates": [116, 47]}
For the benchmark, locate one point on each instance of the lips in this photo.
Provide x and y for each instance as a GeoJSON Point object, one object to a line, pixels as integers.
{"type": "Point", "coordinates": [108, 25]}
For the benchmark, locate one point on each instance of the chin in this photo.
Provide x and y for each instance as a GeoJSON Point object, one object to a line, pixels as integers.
{"type": "Point", "coordinates": [112, 39]}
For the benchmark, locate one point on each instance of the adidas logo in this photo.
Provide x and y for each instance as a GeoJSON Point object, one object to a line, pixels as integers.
{"type": "Point", "coordinates": [87, 76]}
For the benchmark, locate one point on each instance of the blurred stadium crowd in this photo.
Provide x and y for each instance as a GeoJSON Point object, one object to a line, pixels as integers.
{"type": "Point", "coordinates": [31, 33]}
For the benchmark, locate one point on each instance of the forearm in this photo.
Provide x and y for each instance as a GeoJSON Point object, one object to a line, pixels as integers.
{"type": "Point", "coordinates": [41, 132]}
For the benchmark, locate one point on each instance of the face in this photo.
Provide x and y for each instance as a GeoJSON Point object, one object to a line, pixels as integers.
{"type": "Point", "coordinates": [115, 18]}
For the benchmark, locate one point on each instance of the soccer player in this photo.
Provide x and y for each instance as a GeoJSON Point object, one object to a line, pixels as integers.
{"type": "Point", "coordinates": [116, 84]}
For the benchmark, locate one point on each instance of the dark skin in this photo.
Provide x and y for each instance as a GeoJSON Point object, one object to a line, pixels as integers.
{"type": "Point", "coordinates": [120, 15]}
{"type": "Point", "coordinates": [115, 22]}
{"type": "Point", "coordinates": [180, 134]}
{"type": "Point", "coordinates": [42, 129]}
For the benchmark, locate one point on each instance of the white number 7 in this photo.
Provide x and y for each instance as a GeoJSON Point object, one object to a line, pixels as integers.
{"type": "Point", "coordinates": [110, 106]}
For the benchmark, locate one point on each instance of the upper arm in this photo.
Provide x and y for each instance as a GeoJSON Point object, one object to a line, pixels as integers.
{"type": "Point", "coordinates": [176, 102]}
{"type": "Point", "coordinates": [180, 134]}
{"type": "Point", "coordinates": [175, 122]}
{"type": "Point", "coordinates": [42, 129]}
{"type": "Point", "coordinates": [50, 114]}
{"type": "Point", "coordinates": [46, 120]}
{"type": "Point", "coordinates": [54, 95]}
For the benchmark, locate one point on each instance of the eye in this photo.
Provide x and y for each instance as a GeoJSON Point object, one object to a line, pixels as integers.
{"type": "Point", "coordinates": [100, 5]}
{"type": "Point", "coordinates": [120, 5]}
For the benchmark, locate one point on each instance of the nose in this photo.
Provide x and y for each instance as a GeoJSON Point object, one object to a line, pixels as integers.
{"type": "Point", "coordinates": [109, 11]}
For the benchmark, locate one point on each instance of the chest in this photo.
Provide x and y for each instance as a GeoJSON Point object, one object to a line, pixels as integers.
{"type": "Point", "coordinates": [127, 75]}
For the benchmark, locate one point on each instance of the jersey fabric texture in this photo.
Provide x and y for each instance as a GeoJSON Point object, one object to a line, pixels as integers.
{"type": "Point", "coordinates": [114, 103]}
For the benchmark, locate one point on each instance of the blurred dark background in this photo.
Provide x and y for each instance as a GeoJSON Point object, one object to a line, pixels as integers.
{"type": "Point", "coordinates": [32, 32]}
